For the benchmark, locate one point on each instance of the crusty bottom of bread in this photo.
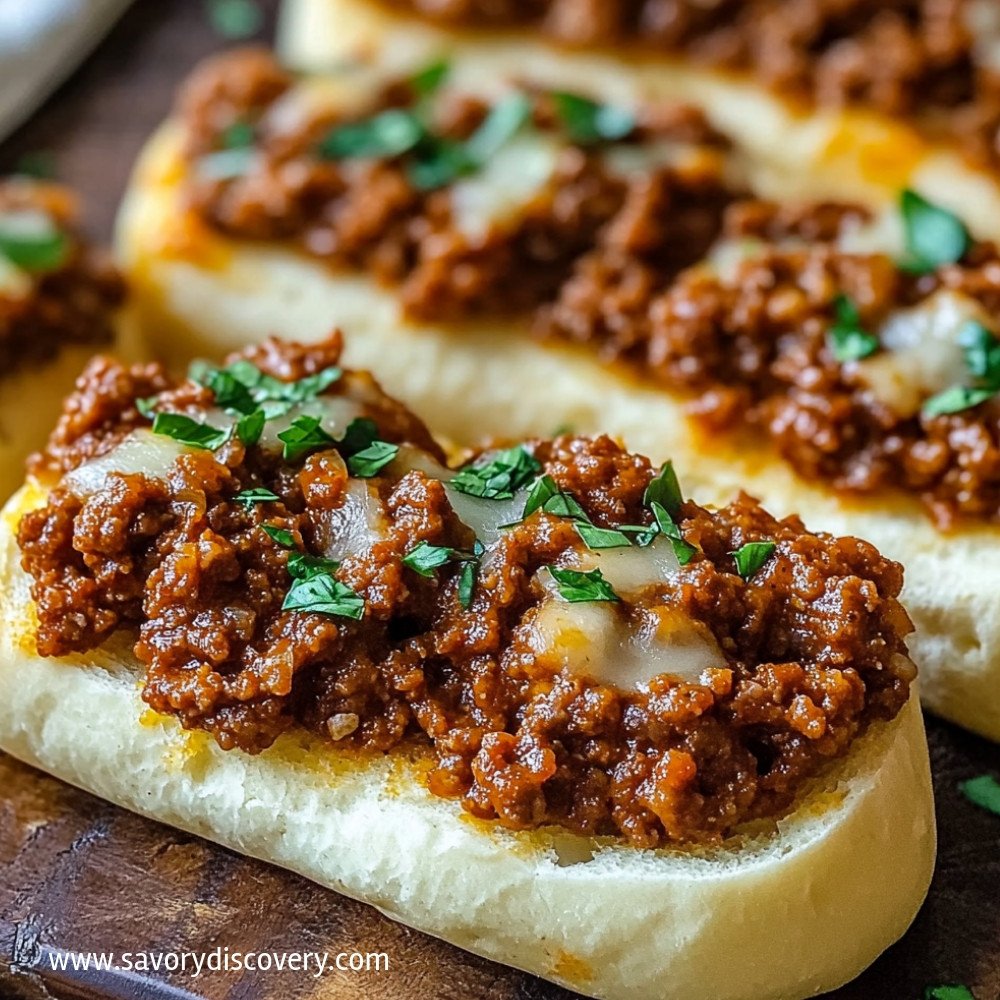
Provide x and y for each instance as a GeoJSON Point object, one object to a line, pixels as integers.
{"type": "Point", "coordinates": [751, 921]}
{"type": "Point", "coordinates": [200, 294]}
{"type": "Point", "coordinates": [788, 152]}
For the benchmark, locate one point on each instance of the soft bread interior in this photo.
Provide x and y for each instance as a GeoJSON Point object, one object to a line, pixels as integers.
{"type": "Point", "coordinates": [201, 294]}
{"type": "Point", "coordinates": [844, 155]}
{"type": "Point", "coordinates": [740, 923]}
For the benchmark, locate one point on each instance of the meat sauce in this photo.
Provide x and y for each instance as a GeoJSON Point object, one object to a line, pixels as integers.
{"type": "Point", "coordinates": [574, 642]}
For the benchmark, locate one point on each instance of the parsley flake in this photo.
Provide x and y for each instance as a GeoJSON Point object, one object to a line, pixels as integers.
{"type": "Point", "coordinates": [588, 122]}
{"type": "Point", "coordinates": [948, 991]}
{"type": "Point", "coordinates": [235, 20]}
{"type": "Point", "coordinates": [188, 431]}
{"type": "Point", "coordinates": [383, 136]}
{"type": "Point", "coordinates": [751, 557]}
{"type": "Point", "coordinates": [955, 400]}
{"type": "Point", "coordinates": [323, 594]}
{"type": "Point", "coordinates": [29, 239]}
{"type": "Point", "coordinates": [467, 582]}
{"type": "Point", "coordinates": [683, 550]}
{"type": "Point", "coordinates": [371, 460]}
{"type": "Point", "coordinates": [665, 490]}
{"type": "Point", "coordinates": [303, 436]}
{"type": "Point", "coordinates": [601, 538]}
{"type": "Point", "coordinates": [934, 236]}
{"type": "Point", "coordinates": [280, 536]}
{"type": "Point", "coordinates": [429, 79]}
{"type": "Point", "coordinates": [500, 477]}
{"type": "Point", "coordinates": [847, 339]}
{"type": "Point", "coordinates": [425, 558]}
{"type": "Point", "coordinates": [983, 791]}
{"type": "Point", "coordinates": [577, 587]}
{"type": "Point", "coordinates": [258, 494]}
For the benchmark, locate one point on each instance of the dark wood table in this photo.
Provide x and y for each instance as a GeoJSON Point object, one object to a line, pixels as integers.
{"type": "Point", "coordinates": [79, 875]}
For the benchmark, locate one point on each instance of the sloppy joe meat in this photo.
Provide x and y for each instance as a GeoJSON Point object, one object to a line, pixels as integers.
{"type": "Point", "coordinates": [474, 656]}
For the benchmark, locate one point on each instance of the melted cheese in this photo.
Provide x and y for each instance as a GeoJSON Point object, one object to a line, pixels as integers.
{"type": "Point", "coordinates": [921, 354]}
{"type": "Point", "coordinates": [598, 641]}
{"type": "Point", "coordinates": [498, 193]}
{"type": "Point", "coordinates": [142, 452]}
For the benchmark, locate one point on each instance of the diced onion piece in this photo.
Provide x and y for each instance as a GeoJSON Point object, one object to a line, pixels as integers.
{"type": "Point", "coordinates": [922, 355]}
{"type": "Point", "coordinates": [354, 527]}
{"type": "Point", "coordinates": [152, 455]}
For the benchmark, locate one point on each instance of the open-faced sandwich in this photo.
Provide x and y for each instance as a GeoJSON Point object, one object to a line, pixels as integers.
{"type": "Point", "coordinates": [833, 98]}
{"type": "Point", "coordinates": [540, 258]}
{"type": "Point", "coordinates": [58, 298]}
{"type": "Point", "coordinates": [538, 703]}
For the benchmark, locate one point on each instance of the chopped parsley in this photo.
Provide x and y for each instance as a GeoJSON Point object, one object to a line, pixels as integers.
{"type": "Point", "coordinates": [934, 236]}
{"type": "Point", "coordinates": [948, 991]}
{"type": "Point", "coordinates": [505, 120]}
{"type": "Point", "coordinates": [388, 134]}
{"type": "Point", "coordinates": [371, 460]}
{"type": "Point", "coordinates": [751, 557]}
{"type": "Point", "coordinates": [665, 490]}
{"type": "Point", "coordinates": [499, 477]}
{"type": "Point", "coordinates": [303, 436]}
{"type": "Point", "coordinates": [578, 587]}
{"type": "Point", "coordinates": [303, 566]}
{"type": "Point", "coordinates": [239, 135]}
{"type": "Point", "coordinates": [425, 558]}
{"type": "Point", "coordinates": [847, 339]}
{"type": "Point", "coordinates": [981, 351]}
{"type": "Point", "coordinates": [428, 80]}
{"type": "Point", "coordinates": [188, 431]}
{"type": "Point", "coordinates": [682, 549]}
{"type": "Point", "coordinates": [280, 536]}
{"type": "Point", "coordinates": [601, 538]}
{"type": "Point", "coordinates": [258, 494]}
{"type": "Point", "coordinates": [983, 791]}
{"type": "Point", "coordinates": [250, 427]}
{"type": "Point", "coordinates": [30, 240]}
{"type": "Point", "coordinates": [587, 122]}
{"type": "Point", "coordinates": [235, 20]}
{"type": "Point", "coordinates": [467, 582]}
{"type": "Point", "coordinates": [227, 164]}
{"type": "Point", "coordinates": [545, 495]}
{"type": "Point", "coordinates": [323, 594]}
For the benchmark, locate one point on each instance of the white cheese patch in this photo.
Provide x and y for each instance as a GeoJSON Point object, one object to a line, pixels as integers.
{"type": "Point", "coordinates": [142, 452]}
{"type": "Point", "coordinates": [921, 355]}
{"type": "Point", "coordinates": [598, 641]}
{"type": "Point", "coordinates": [498, 193]}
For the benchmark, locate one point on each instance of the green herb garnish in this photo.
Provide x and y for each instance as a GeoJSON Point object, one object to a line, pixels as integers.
{"type": "Point", "coordinates": [956, 399]}
{"type": "Point", "coordinates": [303, 436]}
{"type": "Point", "coordinates": [235, 20]}
{"type": "Point", "coordinates": [750, 558]}
{"type": "Point", "coordinates": [934, 236]}
{"type": "Point", "coordinates": [425, 558]}
{"type": "Point", "coordinates": [273, 395]}
{"type": "Point", "coordinates": [665, 490]}
{"type": "Point", "coordinates": [577, 587]}
{"type": "Point", "coordinates": [428, 80]}
{"type": "Point", "coordinates": [847, 339]}
{"type": "Point", "coordinates": [588, 122]}
{"type": "Point", "coordinates": [250, 427]}
{"type": "Point", "coordinates": [503, 122]}
{"type": "Point", "coordinates": [500, 477]}
{"type": "Point", "coordinates": [361, 432]}
{"type": "Point", "coordinates": [303, 566]}
{"type": "Point", "coordinates": [948, 991]}
{"type": "Point", "coordinates": [371, 460]}
{"type": "Point", "coordinates": [239, 135]}
{"type": "Point", "coordinates": [227, 164]}
{"type": "Point", "coordinates": [281, 536]}
{"type": "Point", "coordinates": [467, 582]}
{"type": "Point", "coordinates": [190, 432]}
{"type": "Point", "coordinates": [30, 240]}
{"type": "Point", "coordinates": [669, 527]}
{"type": "Point", "coordinates": [249, 498]}
{"type": "Point", "coordinates": [983, 791]}
{"type": "Point", "coordinates": [383, 136]}
{"type": "Point", "coordinates": [601, 538]}
{"type": "Point", "coordinates": [323, 594]}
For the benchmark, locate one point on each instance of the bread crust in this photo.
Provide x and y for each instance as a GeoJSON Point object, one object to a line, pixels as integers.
{"type": "Point", "coordinates": [198, 293]}
{"type": "Point", "coordinates": [843, 155]}
{"type": "Point", "coordinates": [608, 920]}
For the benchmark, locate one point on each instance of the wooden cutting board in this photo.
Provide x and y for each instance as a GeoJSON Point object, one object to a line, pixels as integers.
{"type": "Point", "coordinates": [77, 874]}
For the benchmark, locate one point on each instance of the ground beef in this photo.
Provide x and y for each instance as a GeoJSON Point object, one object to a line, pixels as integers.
{"type": "Point", "coordinates": [911, 58]}
{"type": "Point", "coordinates": [70, 304]}
{"type": "Point", "coordinates": [612, 262]}
{"type": "Point", "coordinates": [812, 647]}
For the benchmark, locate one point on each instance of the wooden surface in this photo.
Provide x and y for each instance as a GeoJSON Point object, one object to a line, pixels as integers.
{"type": "Point", "coordinates": [79, 875]}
